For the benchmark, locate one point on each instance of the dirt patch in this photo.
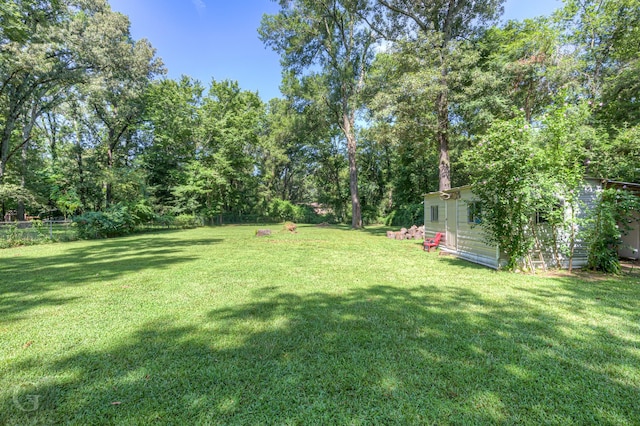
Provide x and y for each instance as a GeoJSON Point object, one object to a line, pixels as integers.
{"type": "Point", "coordinates": [629, 268]}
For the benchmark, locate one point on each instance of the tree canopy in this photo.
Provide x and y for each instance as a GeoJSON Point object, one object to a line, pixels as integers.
{"type": "Point", "coordinates": [382, 101]}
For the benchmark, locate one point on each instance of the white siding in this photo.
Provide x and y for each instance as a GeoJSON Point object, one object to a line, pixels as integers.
{"type": "Point", "coordinates": [588, 198]}
{"type": "Point", "coordinates": [430, 228]}
{"type": "Point", "coordinates": [630, 247]}
{"type": "Point", "coordinates": [471, 240]}
{"type": "Point", "coordinates": [465, 241]}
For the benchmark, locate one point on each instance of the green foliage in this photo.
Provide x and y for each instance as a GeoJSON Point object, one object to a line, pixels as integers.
{"type": "Point", "coordinates": [503, 169]}
{"type": "Point", "coordinates": [186, 221]}
{"type": "Point", "coordinates": [13, 236]}
{"type": "Point", "coordinates": [282, 210]}
{"type": "Point", "coordinates": [35, 232]}
{"type": "Point", "coordinates": [605, 227]}
{"type": "Point", "coordinates": [519, 172]}
{"type": "Point", "coordinates": [77, 92]}
{"type": "Point", "coordinates": [68, 203]}
{"type": "Point", "coordinates": [113, 222]}
{"type": "Point", "coordinates": [11, 194]}
{"type": "Point", "coordinates": [605, 37]}
{"type": "Point", "coordinates": [142, 212]}
{"type": "Point", "coordinates": [332, 42]}
{"type": "Point", "coordinates": [408, 215]}
{"type": "Point", "coordinates": [617, 157]}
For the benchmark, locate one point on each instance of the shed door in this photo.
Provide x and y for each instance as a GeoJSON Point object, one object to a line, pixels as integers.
{"type": "Point", "coordinates": [451, 224]}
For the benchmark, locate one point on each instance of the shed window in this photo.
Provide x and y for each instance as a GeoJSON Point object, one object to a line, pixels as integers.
{"type": "Point", "coordinates": [434, 213]}
{"type": "Point", "coordinates": [546, 217]}
{"type": "Point", "coordinates": [541, 217]}
{"type": "Point", "coordinates": [474, 212]}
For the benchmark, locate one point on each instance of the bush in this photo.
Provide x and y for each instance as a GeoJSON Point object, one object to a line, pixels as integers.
{"type": "Point", "coordinates": [604, 233]}
{"type": "Point", "coordinates": [113, 222]}
{"type": "Point", "coordinates": [411, 214]}
{"type": "Point", "coordinates": [282, 210]}
{"type": "Point", "coordinates": [187, 221]}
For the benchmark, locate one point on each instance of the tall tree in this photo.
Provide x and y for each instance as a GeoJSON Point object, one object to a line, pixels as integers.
{"type": "Point", "coordinates": [221, 178]}
{"type": "Point", "coordinates": [527, 60]}
{"type": "Point", "coordinates": [606, 36]}
{"type": "Point", "coordinates": [35, 60]}
{"type": "Point", "coordinates": [331, 38]}
{"type": "Point", "coordinates": [442, 23]}
{"type": "Point", "coordinates": [173, 117]}
{"type": "Point", "coordinates": [116, 92]}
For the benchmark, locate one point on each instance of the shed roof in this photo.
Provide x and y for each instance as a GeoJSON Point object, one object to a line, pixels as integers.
{"type": "Point", "coordinates": [448, 191]}
{"type": "Point", "coordinates": [630, 186]}
{"type": "Point", "coordinates": [634, 187]}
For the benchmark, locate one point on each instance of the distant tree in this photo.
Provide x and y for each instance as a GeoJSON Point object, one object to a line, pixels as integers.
{"type": "Point", "coordinates": [329, 38]}
{"type": "Point", "coordinates": [442, 24]}
{"type": "Point", "coordinates": [115, 94]}
{"type": "Point", "coordinates": [172, 116]}
{"type": "Point", "coordinates": [221, 177]}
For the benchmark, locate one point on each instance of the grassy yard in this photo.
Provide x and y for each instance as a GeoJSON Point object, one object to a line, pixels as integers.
{"type": "Point", "coordinates": [326, 326]}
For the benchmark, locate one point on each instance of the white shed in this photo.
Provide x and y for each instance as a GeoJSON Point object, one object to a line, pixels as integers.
{"type": "Point", "coordinates": [455, 213]}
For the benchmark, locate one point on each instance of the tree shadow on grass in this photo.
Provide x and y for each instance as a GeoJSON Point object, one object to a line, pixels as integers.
{"type": "Point", "coordinates": [457, 262]}
{"type": "Point", "coordinates": [26, 280]}
{"type": "Point", "coordinates": [379, 355]}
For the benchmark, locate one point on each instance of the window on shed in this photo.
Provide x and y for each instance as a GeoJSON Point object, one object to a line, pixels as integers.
{"type": "Point", "coordinates": [434, 213]}
{"type": "Point", "coordinates": [474, 212]}
{"type": "Point", "coordinates": [547, 216]}
{"type": "Point", "coordinates": [541, 217]}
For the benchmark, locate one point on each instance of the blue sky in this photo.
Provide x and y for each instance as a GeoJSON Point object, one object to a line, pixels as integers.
{"type": "Point", "coordinates": [218, 39]}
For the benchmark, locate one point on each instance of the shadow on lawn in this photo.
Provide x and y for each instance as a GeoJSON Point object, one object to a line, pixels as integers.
{"type": "Point", "coordinates": [25, 281]}
{"type": "Point", "coordinates": [380, 355]}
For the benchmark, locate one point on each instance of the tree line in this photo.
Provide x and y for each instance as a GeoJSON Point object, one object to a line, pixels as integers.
{"type": "Point", "coordinates": [382, 101]}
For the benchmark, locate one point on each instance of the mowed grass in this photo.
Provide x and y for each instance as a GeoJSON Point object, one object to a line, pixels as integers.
{"type": "Point", "coordinates": [326, 326]}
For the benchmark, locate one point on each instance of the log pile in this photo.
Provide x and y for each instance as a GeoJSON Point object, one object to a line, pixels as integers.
{"type": "Point", "coordinates": [413, 233]}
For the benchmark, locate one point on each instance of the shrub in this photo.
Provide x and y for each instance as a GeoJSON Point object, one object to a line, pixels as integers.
{"type": "Point", "coordinates": [165, 220]}
{"type": "Point", "coordinates": [411, 214]}
{"type": "Point", "coordinates": [283, 210]}
{"type": "Point", "coordinates": [187, 221]}
{"type": "Point", "coordinates": [113, 222]}
{"type": "Point", "coordinates": [603, 233]}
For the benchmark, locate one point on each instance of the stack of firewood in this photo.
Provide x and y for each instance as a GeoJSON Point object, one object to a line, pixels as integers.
{"type": "Point", "coordinates": [413, 233]}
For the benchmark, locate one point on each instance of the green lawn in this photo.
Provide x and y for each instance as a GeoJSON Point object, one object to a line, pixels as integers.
{"type": "Point", "coordinates": [326, 326]}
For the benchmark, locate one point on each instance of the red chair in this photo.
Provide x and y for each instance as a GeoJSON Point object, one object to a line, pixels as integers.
{"type": "Point", "coordinates": [432, 242]}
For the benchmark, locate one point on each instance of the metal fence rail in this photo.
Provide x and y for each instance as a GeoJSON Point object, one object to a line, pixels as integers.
{"type": "Point", "coordinates": [35, 230]}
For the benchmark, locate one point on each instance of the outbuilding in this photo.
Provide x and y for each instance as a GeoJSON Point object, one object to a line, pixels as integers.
{"type": "Point", "coordinates": [456, 213]}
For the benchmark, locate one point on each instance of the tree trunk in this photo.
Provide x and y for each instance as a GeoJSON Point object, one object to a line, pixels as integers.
{"type": "Point", "coordinates": [26, 135]}
{"type": "Point", "coordinates": [23, 181]}
{"type": "Point", "coordinates": [444, 164]}
{"type": "Point", "coordinates": [4, 147]}
{"type": "Point", "coordinates": [81, 190]}
{"type": "Point", "coordinates": [356, 212]}
{"type": "Point", "coordinates": [109, 184]}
